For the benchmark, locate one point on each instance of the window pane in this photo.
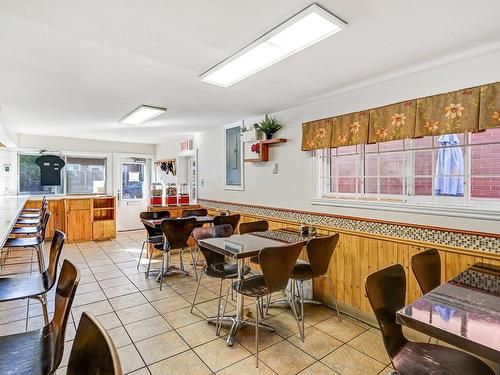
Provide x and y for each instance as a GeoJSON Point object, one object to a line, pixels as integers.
{"type": "Point", "coordinates": [422, 186]}
{"type": "Point", "coordinates": [29, 178]}
{"type": "Point", "coordinates": [391, 185]}
{"type": "Point", "coordinates": [347, 185]}
{"type": "Point", "coordinates": [425, 142]}
{"type": "Point", "coordinates": [391, 146]}
{"type": "Point", "coordinates": [423, 163]}
{"type": "Point", "coordinates": [391, 164]}
{"type": "Point", "coordinates": [132, 181]}
{"type": "Point", "coordinates": [371, 164]}
{"type": "Point", "coordinates": [485, 187]}
{"type": "Point", "coordinates": [346, 150]}
{"type": "Point", "coordinates": [347, 165]}
{"type": "Point", "coordinates": [332, 182]}
{"type": "Point", "coordinates": [86, 176]}
{"type": "Point", "coordinates": [369, 185]}
{"type": "Point", "coordinates": [488, 136]}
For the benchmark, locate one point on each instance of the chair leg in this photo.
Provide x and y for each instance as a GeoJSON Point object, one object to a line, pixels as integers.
{"type": "Point", "coordinates": [294, 307]}
{"type": "Point", "coordinates": [268, 303]}
{"type": "Point", "coordinates": [334, 296]}
{"type": "Point", "coordinates": [196, 292]}
{"type": "Point", "coordinates": [162, 268]}
{"type": "Point", "coordinates": [181, 262]}
{"type": "Point", "coordinates": [218, 307]}
{"type": "Point", "coordinates": [219, 327]}
{"type": "Point", "coordinates": [140, 255]}
{"type": "Point", "coordinates": [194, 264]}
{"type": "Point", "coordinates": [257, 308]}
{"type": "Point", "coordinates": [149, 266]}
{"type": "Point", "coordinates": [302, 316]}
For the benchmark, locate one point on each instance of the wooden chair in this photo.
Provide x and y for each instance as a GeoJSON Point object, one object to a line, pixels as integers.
{"type": "Point", "coordinates": [386, 290]}
{"type": "Point", "coordinates": [35, 286]}
{"type": "Point", "coordinates": [177, 232]}
{"type": "Point", "coordinates": [155, 235]}
{"type": "Point", "coordinates": [426, 267]}
{"type": "Point", "coordinates": [40, 352]}
{"type": "Point", "coordinates": [254, 226]}
{"type": "Point", "coordinates": [93, 351]}
{"type": "Point", "coordinates": [232, 220]}
{"type": "Point", "coordinates": [277, 265]}
{"type": "Point", "coordinates": [319, 252]}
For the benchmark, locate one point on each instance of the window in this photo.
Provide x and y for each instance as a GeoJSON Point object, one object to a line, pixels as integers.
{"type": "Point", "coordinates": [132, 180]}
{"type": "Point", "coordinates": [455, 168]}
{"type": "Point", "coordinates": [29, 178]}
{"type": "Point", "coordinates": [234, 167]}
{"type": "Point", "coordinates": [80, 175]}
{"type": "Point", "coordinates": [85, 175]}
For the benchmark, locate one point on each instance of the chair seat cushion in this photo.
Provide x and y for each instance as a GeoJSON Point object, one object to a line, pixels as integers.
{"type": "Point", "coordinates": [22, 242]}
{"type": "Point", "coordinates": [30, 352]}
{"type": "Point", "coordinates": [12, 288]}
{"type": "Point", "coordinates": [422, 359]}
{"type": "Point", "coordinates": [302, 271]}
{"type": "Point", "coordinates": [29, 221]}
{"type": "Point", "coordinates": [29, 216]}
{"type": "Point", "coordinates": [224, 270]}
{"type": "Point", "coordinates": [252, 287]}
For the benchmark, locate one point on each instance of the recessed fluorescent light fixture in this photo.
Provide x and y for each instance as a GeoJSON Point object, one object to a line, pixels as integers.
{"type": "Point", "coordinates": [142, 114]}
{"type": "Point", "coordinates": [301, 31]}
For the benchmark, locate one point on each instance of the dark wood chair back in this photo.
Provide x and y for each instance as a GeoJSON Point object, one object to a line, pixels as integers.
{"type": "Point", "coordinates": [426, 267]}
{"type": "Point", "coordinates": [93, 351]}
{"type": "Point", "coordinates": [195, 212]}
{"type": "Point", "coordinates": [153, 215]}
{"type": "Point", "coordinates": [50, 274]}
{"type": "Point", "coordinates": [254, 226]}
{"type": "Point", "coordinates": [232, 220]}
{"type": "Point", "coordinates": [386, 291]}
{"type": "Point", "coordinates": [217, 231]}
{"type": "Point", "coordinates": [320, 251]}
{"type": "Point", "coordinates": [277, 264]}
{"type": "Point", "coordinates": [177, 232]}
{"type": "Point", "coordinates": [44, 223]}
{"type": "Point", "coordinates": [65, 293]}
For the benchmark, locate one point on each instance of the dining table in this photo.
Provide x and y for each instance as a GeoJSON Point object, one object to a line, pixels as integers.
{"type": "Point", "coordinates": [464, 312]}
{"type": "Point", "coordinates": [241, 248]}
{"type": "Point", "coordinates": [207, 219]}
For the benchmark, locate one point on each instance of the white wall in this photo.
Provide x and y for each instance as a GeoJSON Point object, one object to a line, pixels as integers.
{"type": "Point", "coordinates": [292, 187]}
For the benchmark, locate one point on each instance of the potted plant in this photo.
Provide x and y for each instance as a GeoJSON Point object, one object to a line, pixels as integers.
{"type": "Point", "coordinates": [268, 126]}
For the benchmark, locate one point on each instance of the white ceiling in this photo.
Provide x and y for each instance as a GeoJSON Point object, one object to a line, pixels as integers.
{"type": "Point", "coordinates": [74, 68]}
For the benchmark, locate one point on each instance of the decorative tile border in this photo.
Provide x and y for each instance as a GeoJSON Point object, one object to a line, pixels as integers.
{"type": "Point", "coordinates": [484, 243]}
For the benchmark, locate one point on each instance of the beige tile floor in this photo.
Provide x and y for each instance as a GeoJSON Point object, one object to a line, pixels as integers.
{"type": "Point", "coordinates": [156, 334]}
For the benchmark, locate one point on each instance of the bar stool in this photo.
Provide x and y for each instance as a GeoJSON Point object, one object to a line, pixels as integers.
{"type": "Point", "coordinates": [176, 232]}
{"type": "Point", "coordinates": [35, 210]}
{"type": "Point", "coordinates": [216, 266]}
{"type": "Point", "coordinates": [36, 242]}
{"type": "Point", "coordinates": [277, 264]}
{"type": "Point", "coordinates": [232, 220]}
{"type": "Point", "coordinates": [33, 219]}
{"type": "Point", "coordinates": [195, 212]}
{"type": "Point", "coordinates": [319, 252]}
{"type": "Point", "coordinates": [386, 290]}
{"type": "Point", "coordinates": [93, 351]}
{"type": "Point", "coordinates": [36, 286]}
{"type": "Point", "coordinates": [154, 234]}
{"type": "Point", "coordinates": [40, 352]}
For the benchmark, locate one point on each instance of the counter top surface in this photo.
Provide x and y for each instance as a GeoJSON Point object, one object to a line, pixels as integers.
{"type": "Point", "coordinates": [10, 208]}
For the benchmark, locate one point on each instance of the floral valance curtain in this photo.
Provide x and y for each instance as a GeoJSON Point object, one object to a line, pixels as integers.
{"type": "Point", "coordinates": [468, 110]}
{"type": "Point", "coordinates": [489, 108]}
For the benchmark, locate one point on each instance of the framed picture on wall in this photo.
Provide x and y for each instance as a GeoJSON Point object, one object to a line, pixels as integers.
{"type": "Point", "coordinates": [251, 151]}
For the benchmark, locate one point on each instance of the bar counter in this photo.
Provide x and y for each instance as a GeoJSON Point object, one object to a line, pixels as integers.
{"type": "Point", "coordinates": [10, 208]}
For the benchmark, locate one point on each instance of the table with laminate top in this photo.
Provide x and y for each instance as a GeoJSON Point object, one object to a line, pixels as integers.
{"type": "Point", "coordinates": [10, 208]}
{"type": "Point", "coordinates": [240, 248]}
{"type": "Point", "coordinates": [464, 311]}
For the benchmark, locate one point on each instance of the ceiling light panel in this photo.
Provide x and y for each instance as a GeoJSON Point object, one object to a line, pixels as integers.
{"type": "Point", "coordinates": [142, 114]}
{"type": "Point", "coordinates": [301, 31]}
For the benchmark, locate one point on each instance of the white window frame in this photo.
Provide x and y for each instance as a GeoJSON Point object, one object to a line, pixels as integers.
{"type": "Point", "coordinates": [467, 206]}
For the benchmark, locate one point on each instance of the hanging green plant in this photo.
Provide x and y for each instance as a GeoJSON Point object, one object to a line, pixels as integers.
{"type": "Point", "coordinates": [268, 126]}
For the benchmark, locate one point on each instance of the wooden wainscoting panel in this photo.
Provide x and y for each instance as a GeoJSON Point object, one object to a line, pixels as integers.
{"type": "Point", "coordinates": [359, 254]}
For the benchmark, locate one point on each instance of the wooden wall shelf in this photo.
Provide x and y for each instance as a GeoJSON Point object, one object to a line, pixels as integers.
{"type": "Point", "coordinates": [264, 149]}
